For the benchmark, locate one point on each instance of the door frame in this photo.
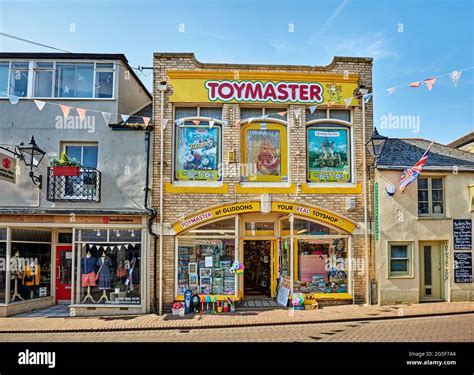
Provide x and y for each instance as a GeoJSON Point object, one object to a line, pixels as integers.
{"type": "Point", "coordinates": [59, 249]}
{"type": "Point", "coordinates": [438, 245]}
{"type": "Point", "coordinates": [273, 261]}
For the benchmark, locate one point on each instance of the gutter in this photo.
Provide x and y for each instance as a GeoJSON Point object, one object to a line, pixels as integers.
{"type": "Point", "coordinates": [151, 211]}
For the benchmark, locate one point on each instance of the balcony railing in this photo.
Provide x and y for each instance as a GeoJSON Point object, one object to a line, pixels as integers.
{"type": "Point", "coordinates": [82, 188]}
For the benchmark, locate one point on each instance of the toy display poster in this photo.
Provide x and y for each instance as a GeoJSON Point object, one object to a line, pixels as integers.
{"type": "Point", "coordinates": [263, 152]}
{"type": "Point", "coordinates": [198, 153]}
{"type": "Point", "coordinates": [328, 155]}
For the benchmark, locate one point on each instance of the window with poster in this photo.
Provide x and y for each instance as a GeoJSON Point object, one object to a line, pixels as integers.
{"type": "Point", "coordinates": [328, 153]}
{"type": "Point", "coordinates": [264, 154]}
{"type": "Point", "coordinates": [204, 258]}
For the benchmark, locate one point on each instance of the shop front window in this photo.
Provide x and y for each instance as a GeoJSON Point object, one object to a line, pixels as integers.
{"type": "Point", "coordinates": [110, 267]}
{"type": "Point", "coordinates": [264, 156]}
{"type": "Point", "coordinates": [30, 264]}
{"type": "Point", "coordinates": [322, 266]}
{"type": "Point", "coordinates": [3, 264]}
{"type": "Point", "coordinates": [205, 256]}
{"type": "Point", "coordinates": [328, 154]}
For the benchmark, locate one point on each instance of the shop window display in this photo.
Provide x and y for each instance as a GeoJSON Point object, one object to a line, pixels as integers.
{"type": "Point", "coordinates": [204, 265]}
{"type": "Point", "coordinates": [110, 274]}
{"type": "Point", "coordinates": [322, 266]}
{"type": "Point", "coordinates": [3, 276]}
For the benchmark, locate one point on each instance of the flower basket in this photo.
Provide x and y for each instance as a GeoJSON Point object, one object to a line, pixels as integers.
{"type": "Point", "coordinates": [66, 171]}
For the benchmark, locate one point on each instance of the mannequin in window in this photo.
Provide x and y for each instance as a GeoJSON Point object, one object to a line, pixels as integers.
{"type": "Point", "coordinates": [103, 274]}
{"type": "Point", "coordinates": [15, 274]}
{"type": "Point", "coordinates": [31, 277]}
{"type": "Point", "coordinates": [88, 276]}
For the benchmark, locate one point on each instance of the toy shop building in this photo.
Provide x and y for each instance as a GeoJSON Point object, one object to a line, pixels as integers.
{"type": "Point", "coordinates": [261, 164]}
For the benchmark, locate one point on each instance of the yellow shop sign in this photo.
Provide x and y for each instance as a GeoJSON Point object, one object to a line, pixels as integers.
{"type": "Point", "coordinates": [261, 87]}
{"type": "Point", "coordinates": [217, 212]}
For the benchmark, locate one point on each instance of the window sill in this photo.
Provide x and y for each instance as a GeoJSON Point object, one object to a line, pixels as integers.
{"type": "Point", "coordinates": [264, 188]}
{"type": "Point", "coordinates": [401, 277]}
{"type": "Point", "coordinates": [434, 218]}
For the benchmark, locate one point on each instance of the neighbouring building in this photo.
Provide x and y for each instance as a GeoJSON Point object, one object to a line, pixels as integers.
{"type": "Point", "coordinates": [262, 164]}
{"type": "Point", "coordinates": [465, 143]}
{"type": "Point", "coordinates": [72, 104]}
{"type": "Point", "coordinates": [423, 235]}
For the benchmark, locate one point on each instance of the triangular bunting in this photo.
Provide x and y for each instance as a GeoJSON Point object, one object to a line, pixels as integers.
{"type": "Point", "coordinates": [125, 117]}
{"type": "Point", "coordinates": [312, 108]}
{"type": "Point", "coordinates": [347, 101]}
{"type": "Point", "coordinates": [146, 120]}
{"type": "Point", "coordinates": [225, 123]}
{"type": "Point", "coordinates": [179, 122]}
{"type": "Point", "coordinates": [211, 124]}
{"type": "Point", "coordinates": [455, 75]}
{"type": "Point", "coordinates": [282, 113]}
{"type": "Point", "coordinates": [429, 82]}
{"type": "Point", "coordinates": [65, 110]}
{"type": "Point", "coordinates": [297, 113]}
{"type": "Point", "coordinates": [106, 116]}
{"type": "Point", "coordinates": [329, 104]}
{"type": "Point", "coordinates": [40, 104]}
{"type": "Point", "coordinates": [415, 84]}
{"type": "Point", "coordinates": [391, 90]}
{"type": "Point", "coordinates": [126, 246]}
{"type": "Point", "coordinates": [367, 97]}
{"type": "Point", "coordinates": [237, 122]}
{"type": "Point", "coordinates": [196, 122]}
{"type": "Point", "coordinates": [82, 113]}
{"type": "Point", "coordinates": [250, 119]}
{"type": "Point", "coordinates": [164, 122]}
{"type": "Point", "coordinates": [13, 99]}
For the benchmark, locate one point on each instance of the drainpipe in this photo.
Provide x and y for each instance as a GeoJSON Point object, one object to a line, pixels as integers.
{"type": "Point", "coordinates": [366, 229]}
{"type": "Point", "coordinates": [151, 211]}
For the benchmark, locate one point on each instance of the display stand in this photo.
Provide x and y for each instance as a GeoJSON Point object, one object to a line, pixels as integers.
{"type": "Point", "coordinates": [15, 293]}
{"type": "Point", "coordinates": [103, 297]}
{"type": "Point", "coordinates": [88, 295]}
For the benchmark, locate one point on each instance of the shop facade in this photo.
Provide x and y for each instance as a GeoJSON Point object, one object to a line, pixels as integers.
{"type": "Point", "coordinates": [261, 165]}
{"type": "Point", "coordinates": [423, 237]}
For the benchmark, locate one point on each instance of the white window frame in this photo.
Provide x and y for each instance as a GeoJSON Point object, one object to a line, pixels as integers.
{"type": "Point", "coordinates": [431, 214]}
{"type": "Point", "coordinates": [53, 80]}
{"type": "Point", "coordinates": [64, 144]}
{"type": "Point", "coordinates": [400, 274]}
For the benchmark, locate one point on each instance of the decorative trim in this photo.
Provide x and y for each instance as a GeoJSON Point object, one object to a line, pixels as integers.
{"type": "Point", "coordinates": [170, 188]}
{"type": "Point", "coordinates": [308, 189]}
{"type": "Point", "coordinates": [239, 189]}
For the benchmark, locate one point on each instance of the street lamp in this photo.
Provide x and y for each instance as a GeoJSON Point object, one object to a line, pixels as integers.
{"type": "Point", "coordinates": [375, 145]}
{"type": "Point", "coordinates": [32, 155]}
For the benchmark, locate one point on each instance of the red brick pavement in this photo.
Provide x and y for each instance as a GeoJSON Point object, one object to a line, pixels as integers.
{"type": "Point", "coordinates": [243, 319]}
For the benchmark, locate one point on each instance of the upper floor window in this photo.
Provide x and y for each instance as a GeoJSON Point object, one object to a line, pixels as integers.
{"type": "Point", "coordinates": [336, 114]}
{"type": "Point", "coordinates": [86, 154]}
{"type": "Point", "coordinates": [264, 152]}
{"type": "Point", "coordinates": [277, 113]}
{"type": "Point", "coordinates": [328, 153]}
{"type": "Point", "coordinates": [430, 196]}
{"type": "Point", "coordinates": [57, 79]}
{"type": "Point", "coordinates": [207, 112]}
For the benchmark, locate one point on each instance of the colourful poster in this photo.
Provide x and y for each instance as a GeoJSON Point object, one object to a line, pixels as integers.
{"type": "Point", "coordinates": [263, 152]}
{"type": "Point", "coordinates": [198, 153]}
{"type": "Point", "coordinates": [328, 155]}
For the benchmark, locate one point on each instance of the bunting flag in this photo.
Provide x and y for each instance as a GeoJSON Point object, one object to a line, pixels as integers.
{"type": "Point", "coordinates": [391, 90]}
{"type": "Point", "coordinates": [164, 122]}
{"type": "Point", "coordinates": [13, 99]}
{"type": "Point", "coordinates": [415, 84]}
{"type": "Point", "coordinates": [265, 117]}
{"type": "Point", "coordinates": [283, 113]}
{"type": "Point", "coordinates": [40, 104]}
{"type": "Point", "coordinates": [429, 82]}
{"type": "Point", "coordinates": [179, 122]}
{"type": "Point", "coordinates": [237, 122]}
{"type": "Point", "coordinates": [250, 119]}
{"type": "Point", "coordinates": [455, 76]}
{"type": "Point", "coordinates": [146, 120]}
{"type": "Point", "coordinates": [313, 108]}
{"type": "Point", "coordinates": [297, 112]}
{"type": "Point", "coordinates": [82, 113]}
{"type": "Point", "coordinates": [126, 246]}
{"type": "Point", "coordinates": [106, 116]}
{"type": "Point", "coordinates": [329, 104]}
{"type": "Point", "coordinates": [409, 175]}
{"type": "Point", "coordinates": [348, 101]}
{"type": "Point", "coordinates": [125, 117]}
{"type": "Point", "coordinates": [225, 123]}
{"type": "Point", "coordinates": [211, 124]}
{"type": "Point", "coordinates": [367, 97]}
{"type": "Point", "coordinates": [65, 109]}
{"type": "Point", "coordinates": [196, 122]}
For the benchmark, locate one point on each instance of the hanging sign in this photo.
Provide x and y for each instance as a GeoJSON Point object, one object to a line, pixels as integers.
{"type": "Point", "coordinates": [7, 168]}
{"type": "Point", "coordinates": [462, 234]}
{"type": "Point", "coordinates": [463, 267]}
{"type": "Point", "coordinates": [260, 87]}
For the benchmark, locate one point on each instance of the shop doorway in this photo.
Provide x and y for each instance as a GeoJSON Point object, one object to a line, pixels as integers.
{"type": "Point", "coordinates": [259, 269]}
{"type": "Point", "coordinates": [63, 274]}
{"type": "Point", "coordinates": [430, 271]}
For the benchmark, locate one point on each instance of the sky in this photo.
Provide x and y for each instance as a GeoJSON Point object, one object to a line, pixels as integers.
{"type": "Point", "coordinates": [409, 40]}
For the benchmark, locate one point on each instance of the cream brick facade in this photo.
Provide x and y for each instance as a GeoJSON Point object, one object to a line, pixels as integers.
{"type": "Point", "coordinates": [179, 204]}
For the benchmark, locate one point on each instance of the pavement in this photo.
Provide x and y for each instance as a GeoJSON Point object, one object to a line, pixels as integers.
{"type": "Point", "coordinates": [257, 318]}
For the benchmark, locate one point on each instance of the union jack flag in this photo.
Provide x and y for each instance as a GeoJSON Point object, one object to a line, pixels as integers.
{"type": "Point", "coordinates": [409, 175]}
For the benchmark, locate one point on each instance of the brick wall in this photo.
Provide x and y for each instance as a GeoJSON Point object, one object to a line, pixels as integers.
{"type": "Point", "coordinates": [176, 205]}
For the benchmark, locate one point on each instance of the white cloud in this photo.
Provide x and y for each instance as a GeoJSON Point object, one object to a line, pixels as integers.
{"type": "Point", "coordinates": [333, 16]}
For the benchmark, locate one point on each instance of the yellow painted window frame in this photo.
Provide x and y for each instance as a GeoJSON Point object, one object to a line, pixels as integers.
{"type": "Point", "coordinates": [283, 150]}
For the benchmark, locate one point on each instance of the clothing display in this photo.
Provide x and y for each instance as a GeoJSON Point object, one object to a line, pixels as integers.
{"type": "Point", "coordinates": [103, 274]}
{"type": "Point", "coordinates": [88, 264]}
{"type": "Point", "coordinates": [88, 279]}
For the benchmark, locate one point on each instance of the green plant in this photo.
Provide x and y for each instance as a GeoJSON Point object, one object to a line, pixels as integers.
{"type": "Point", "coordinates": [64, 161]}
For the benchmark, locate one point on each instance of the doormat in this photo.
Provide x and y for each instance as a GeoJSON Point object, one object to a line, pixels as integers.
{"type": "Point", "coordinates": [266, 303]}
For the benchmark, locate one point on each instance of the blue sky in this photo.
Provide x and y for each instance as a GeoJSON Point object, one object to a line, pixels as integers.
{"type": "Point", "coordinates": [409, 41]}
